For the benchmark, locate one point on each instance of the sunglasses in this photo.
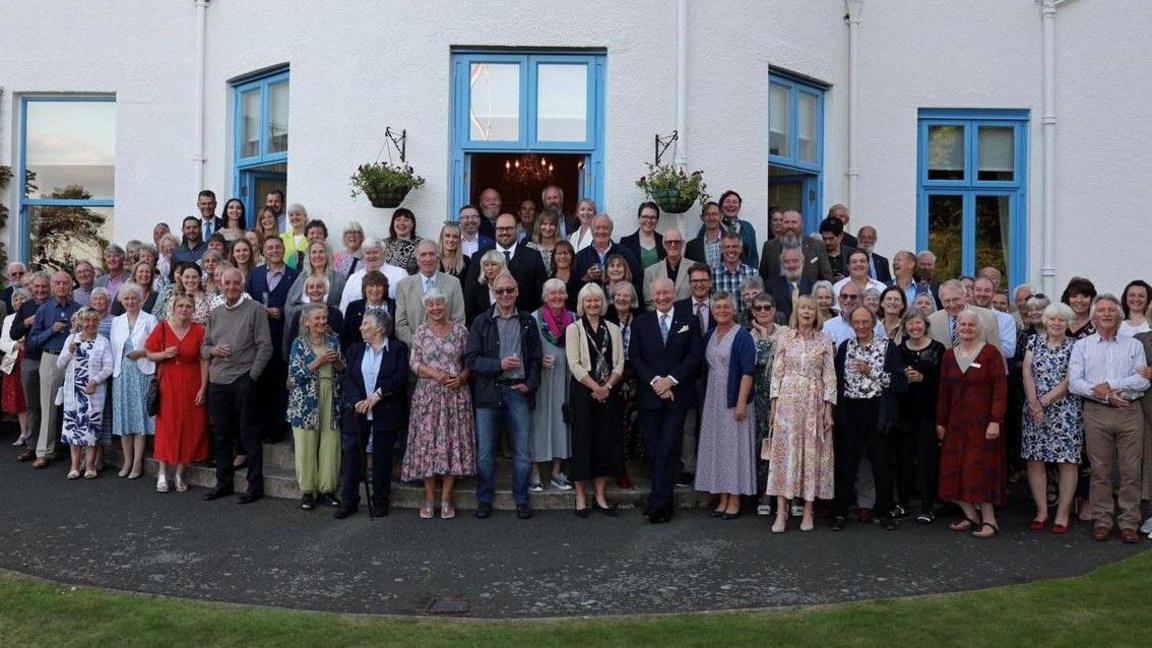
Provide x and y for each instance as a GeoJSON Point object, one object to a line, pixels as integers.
{"type": "Point", "coordinates": [504, 291]}
{"type": "Point", "coordinates": [762, 307]}
{"type": "Point", "coordinates": [848, 297]}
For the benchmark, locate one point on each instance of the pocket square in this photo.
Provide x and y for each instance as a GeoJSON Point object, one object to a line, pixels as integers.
{"type": "Point", "coordinates": [682, 329]}
{"type": "Point", "coordinates": [813, 259]}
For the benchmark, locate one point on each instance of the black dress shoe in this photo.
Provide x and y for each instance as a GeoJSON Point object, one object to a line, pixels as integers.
{"type": "Point", "coordinates": [730, 516]}
{"type": "Point", "coordinates": [838, 523]}
{"type": "Point", "coordinates": [251, 496]}
{"type": "Point", "coordinates": [345, 511]}
{"type": "Point", "coordinates": [610, 511]}
{"type": "Point", "coordinates": [583, 512]}
{"type": "Point", "coordinates": [328, 499]}
{"type": "Point", "coordinates": [380, 506]}
{"type": "Point", "coordinates": [307, 502]}
{"type": "Point", "coordinates": [659, 517]}
{"type": "Point", "coordinates": [217, 493]}
{"type": "Point", "coordinates": [523, 511]}
{"type": "Point", "coordinates": [483, 512]}
{"type": "Point", "coordinates": [889, 523]}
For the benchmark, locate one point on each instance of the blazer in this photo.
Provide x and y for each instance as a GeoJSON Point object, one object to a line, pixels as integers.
{"type": "Point", "coordinates": [684, 306]}
{"type": "Point", "coordinates": [942, 333]}
{"type": "Point", "coordinates": [410, 302]}
{"type": "Point", "coordinates": [482, 356]}
{"type": "Point", "coordinates": [483, 243]}
{"type": "Point", "coordinates": [632, 244]}
{"type": "Point", "coordinates": [527, 266]}
{"type": "Point", "coordinates": [889, 412]}
{"type": "Point", "coordinates": [391, 413]}
{"type": "Point", "coordinates": [580, 359]}
{"type": "Point", "coordinates": [303, 397]}
{"type": "Point", "coordinates": [781, 291]}
{"type": "Point", "coordinates": [883, 268]}
{"type": "Point", "coordinates": [258, 285]}
{"type": "Point", "coordinates": [588, 257]}
{"type": "Point", "coordinates": [694, 250]}
{"type": "Point", "coordinates": [679, 357]}
{"type": "Point", "coordinates": [119, 336]}
{"type": "Point", "coordinates": [816, 264]}
{"type": "Point", "coordinates": [660, 271]}
{"type": "Point", "coordinates": [477, 299]}
{"type": "Point", "coordinates": [742, 363]}
{"type": "Point", "coordinates": [354, 317]}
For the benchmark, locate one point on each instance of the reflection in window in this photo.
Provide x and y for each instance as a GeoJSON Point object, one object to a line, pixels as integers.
{"type": "Point", "coordinates": [250, 123]}
{"type": "Point", "coordinates": [807, 115]}
{"type": "Point", "coordinates": [778, 119]}
{"type": "Point", "coordinates": [993, 218]}
{"type": "Point", "coordinates": [562, 103]}
{"type": "Point", "coordinates": [945, 152]}
{"type": "Point", "coordinates": [71, 144]}
{"type": "Point", "coordinates": [997, 153]}
{"type": "Point", "coordinates": [59, 235]}
{"type": "Point", "coordinates": [945, 227]}
{"type": "Point", "coordinates": [277, 117]}
{"type": "Point", "coordinates": [494, 112]}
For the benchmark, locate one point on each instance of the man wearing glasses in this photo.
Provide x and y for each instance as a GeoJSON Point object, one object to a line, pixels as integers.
{"type": "Point", "coordinates": [504, 356]}
{"type": "Point", "coordinates": [15, 276]}
{"type": "Point", "coordinates": [839, 328]}
{"type": "Point", "coordinates": [672, 268]}
{"type": "Point", "coordinates": [524, 263]}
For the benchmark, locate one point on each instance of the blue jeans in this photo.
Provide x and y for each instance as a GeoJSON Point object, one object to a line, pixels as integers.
{"type": "Point", "coordinates": [488, 419]}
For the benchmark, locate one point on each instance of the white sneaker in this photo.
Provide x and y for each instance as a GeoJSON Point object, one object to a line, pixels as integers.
{"type": "Point", "coordinates": [561, 482]}
{"type": "Point", "coordinates": [797, 510]}
{"type": "Point", "coordinates": [1147, 527]}
{"type": "Point", "coordinates": [764, 509]}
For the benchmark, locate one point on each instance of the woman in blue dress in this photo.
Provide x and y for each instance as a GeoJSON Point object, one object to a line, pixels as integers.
{"type": "Point", "coordinates": [132, 372]}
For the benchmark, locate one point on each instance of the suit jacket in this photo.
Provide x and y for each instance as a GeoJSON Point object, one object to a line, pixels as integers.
{"type": "Point", "coordinates": [888, 413]}
{"type": "Point", "coordinates": [6, 297]}
{"type": "Point", "coordinates": [849, 241]}
{"type": "Point", "coordinates": [527, 266]}
{"type": "Point", "coordinates": [483, 244]}
{"type": "Point", "coordinates": [217, 225]}
{"type": "Point", "coordinates": [487, 228]}
{"type": "Point", "coordinates": [660, 271]}
{"type": "Point", "coordinates": [883, 268]}
{"type": "Point", "coordinates": [816, 265]}
{"type": "Point", "coordinates": [410, 302]}
{"type": "Point", "coordinates": [258, 285]}
{"type": "Point", "coordinates": [684, 307]}
{"type": "Point", "coordinates": [694, 250]}
{"type": "Point", "coordinates": [679, 357]}
{"type": "Point", "coordinates": [632, 244]}
{"type": "Point", "coordinates": [391, 413]}
{"type": "Point", "coordinates": [588, 257]}
{"type": "Point", "coordinates": [354, 317]}
{"type": "Point", "coordinates": [482, 356]}
{"type": "Point", "coordinates": [781, 291]}
{"type": "Point", "coordinates": [940, 331]}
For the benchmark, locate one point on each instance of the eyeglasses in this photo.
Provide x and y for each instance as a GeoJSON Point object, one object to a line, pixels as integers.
{"type": "Point", "coordinates": [847, 297]}
{"type": "Point", "coordinates": [667, 242]}
{"type": "Point", "coordinates": [699, 280]}
{"type": "Point", "coordinates": [762, 307]}
{"type": "Point", "coordinates": [506, 228]}
{"type": "Point", "coordinates": [504, 291]}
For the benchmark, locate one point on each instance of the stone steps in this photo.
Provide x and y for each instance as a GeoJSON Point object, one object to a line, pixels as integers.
{"type": "Point", "coordinates": [280, 481]}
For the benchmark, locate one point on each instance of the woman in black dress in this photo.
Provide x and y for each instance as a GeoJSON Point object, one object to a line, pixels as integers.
{"type": "Point", "coordinates": [921, 356]}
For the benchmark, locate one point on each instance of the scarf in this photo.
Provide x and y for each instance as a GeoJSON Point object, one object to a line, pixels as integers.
{"type": "Point", "coordinates": [554, 328]}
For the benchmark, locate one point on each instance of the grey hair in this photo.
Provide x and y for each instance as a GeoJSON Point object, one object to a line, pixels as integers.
{"type": "Point", "coordinates": [100, 291]}
{"type": "Point", "coordinates": [724, 295]}
{"type": "Point", "coordinates": [147, 247]}
{"type": "Point", "coordinates": [1029, 287]}
{"type": "Point", "coordinates": [823, 283]}
{"type": "Point", "coordinates": [114, 249]}
{"type": "Point", "coordinates": [624, 286]}
{"type": "Point", "coordinates": [381, 319]}
{"type": "Point", "coordinates": [13, 265]}
{"type": "Point", "coordinates": [296, 207]}
{"type": "Point", "coordinates": [353, 226]}
{"type": "Point", "coordinates": [754, 282]}
{"type": "Point", "coordinates": [954, 285]}
{"type": "Point", "coordinates": [1061, 310]}
{"type": "Point", "coordinates": [127, 287]}
{"type": "Point", "coordinates": [491, 256]}
{"type": "Point", "coordinates": [372, 242]}
{"type": "Point", "coordinates": [928, 254]}
{"type": "Point", "coordinates": [1037, 302]}
{"type": "Point", "coordinates": [433, 294]}
{"type": "Point", "coordinates": [791, 248]}
{"type": "Point", "coordinates": [589, 290]}
{"type": "Point", "coordinates": [40, 274]}
{"type": "Point", "coordinates": [22, 292]}
{"type": "Point", "coordinates": [428, 243]}
{"type": "Point", "coordinates": [975, 318]}
{"type": "Point", "coordinates": [1105, 297]}
{"type": "Point", "coordinates": [870, 292]}
{"type": "Point", "coordinates": [551, 285]}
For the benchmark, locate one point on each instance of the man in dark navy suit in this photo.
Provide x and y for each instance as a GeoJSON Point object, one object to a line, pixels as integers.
{"type": "Point", "coordinates": [665, 353]}
{"type": "Point", "coordinates": [591, 260]}
{"type": "Point", "coordinates": [878, 266]}
{"type": "Point", "coordinates": [790, 284]}
{"type": "Point", "coordinates": [698, 306]}
{"type": "Point", "coordinates": [269, 284]}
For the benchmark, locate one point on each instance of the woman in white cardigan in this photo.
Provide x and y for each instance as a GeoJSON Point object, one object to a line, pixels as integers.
{"type": "Point", "coordinates": [87, 362]}
{"type": "Point", "coordinates": [132, 372]}
{"type": "Point", "coordinates": [595, 352]}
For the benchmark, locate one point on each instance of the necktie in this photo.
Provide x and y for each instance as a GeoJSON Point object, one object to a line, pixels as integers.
{"type": "Point", "coordinates": [795, 295]}
{"type": "Point", "coordinates": [507, 256]}
{"type": "Point", "coordinates": [955, 333]}
{"type": "Point", "coordinates": [664, 327]}
{"type": "Point", "coordinates": [702, 315]}
{"type": "Point", "coordinates": [429, 284]}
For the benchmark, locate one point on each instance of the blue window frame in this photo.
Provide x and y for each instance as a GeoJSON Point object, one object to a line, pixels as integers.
{"type": "Point", "coordinates": [972, 196]}
{"type": "Point", "coordinates": [796, 142]}
{"type": "Point", "coordinates": [527, 102]}
{"type": "Point", "coordinates": [67, 142]}
{"type": "Point", "coordinates": [260, 137]}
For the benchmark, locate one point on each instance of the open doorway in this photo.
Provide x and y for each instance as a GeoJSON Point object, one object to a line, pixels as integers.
{"type": "Point", "coordinates": [793, 189]}
{"type": "Point", "coordinates": [522, 176]}
{"type": "Point", "coordinates": [256, 182]}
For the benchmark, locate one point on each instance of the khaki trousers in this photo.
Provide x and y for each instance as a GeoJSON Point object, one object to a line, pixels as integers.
{"type": "Point", "coordinates": [1114, 434]}
{"type": "Point", "coordinates": [51, 380]}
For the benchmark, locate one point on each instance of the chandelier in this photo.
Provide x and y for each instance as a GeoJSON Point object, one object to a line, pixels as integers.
{"type": "Point", "coordinates": [528, 169]}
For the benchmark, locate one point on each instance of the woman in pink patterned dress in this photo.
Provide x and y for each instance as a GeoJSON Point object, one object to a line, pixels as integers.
{"type": "Point", "coordinates": [803, 392]}
{"type": "Point", "coordinates": [441, 429]}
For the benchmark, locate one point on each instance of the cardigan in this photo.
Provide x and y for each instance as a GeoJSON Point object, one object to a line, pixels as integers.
{"type": "Point", "coordinates": [742, 363]}
{"type": "Point", "coordinates": [576, 348]}
{"type": "Point", "coordinates": [144, 325]}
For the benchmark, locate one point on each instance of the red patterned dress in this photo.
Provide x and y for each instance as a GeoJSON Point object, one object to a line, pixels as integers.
{"type": "Point", "coordinates": [972, 468]}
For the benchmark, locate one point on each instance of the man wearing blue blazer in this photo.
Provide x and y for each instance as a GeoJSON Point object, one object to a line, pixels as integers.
{"type": "Point", "coordinates": [665, 353]}
{"type": "Point", "coordinates": [591, 260]}
{"type": "Point", "coordinates": [472, 242]}
{"type": "Point", "coordinates": [269, 284]}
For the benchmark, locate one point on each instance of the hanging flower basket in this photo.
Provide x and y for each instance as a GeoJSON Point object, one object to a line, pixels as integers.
{"type": "Point", "coordinates": [672, 188]}
{"type": "Point", "coordinates": [384, 184]}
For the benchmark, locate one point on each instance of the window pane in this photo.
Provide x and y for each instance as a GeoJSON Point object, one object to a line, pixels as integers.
{"type": "Point", "coordinates": [277, 118]}
{"type": "Point", "coordinates": [806, 126]}
{"type": "Point", "coordinates": [993, 215]}
{"type": "Point", "coordinates": [71, 147]}
{"type": "Point", "coordinates": [250, 123]}
{"type": "Point", "coordinates": [997, 153]}
{"type": "Point", "coordinates": [778, 120]}
{"type": "Point", "coordinates": [945, 152]}
{"type": "Point", "coordinates": [562, 103]}
{"type": "Point", "coordinates": [61, 236]}
{"type": "Point", "coordinates": [494, 102]}
{"type": "Point", "coordinates": [945, 227]}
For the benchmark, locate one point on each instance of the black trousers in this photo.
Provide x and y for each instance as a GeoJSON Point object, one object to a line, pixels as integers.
{"type": "Point", "coordinates": [663, 434]}
{"type": "Point", "coordinates": [916, 440]}
{"type": "Point", "coordinates": [232, 408]}
{"type": "Point", "coordinates": [272, 392]}
{"type": "Point", "coordinates": [354, 436]}
{"type": "Point", "coordinates": [858, 434]}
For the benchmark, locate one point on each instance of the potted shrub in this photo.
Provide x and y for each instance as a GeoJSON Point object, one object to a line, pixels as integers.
{"type": "Point", "coordinates": [384, 184]}
{"type": "Point", "coordinates": [673, 188]}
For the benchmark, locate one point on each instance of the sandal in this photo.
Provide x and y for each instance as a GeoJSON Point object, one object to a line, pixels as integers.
{"type": "Point", "coordinates": [979, 531]}
{"type": "Point", "coordinates": [73, 474]}
{"type": "Point", "coordinates": [447, 511]}
{"type": "Point", "coordinates": [427, 511]}
{"type": "Point", "coordinates": [161, 484]}
{"type": "Point", "coordinates": [90, 473]}
{"type": "Point", "coordinates": [181, 485]}
{"type": "Point", "coordinates": [963, 524]}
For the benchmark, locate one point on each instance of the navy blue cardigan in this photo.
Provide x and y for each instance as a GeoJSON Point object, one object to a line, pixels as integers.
{"type": "Point", "coordinates": [742, 363]}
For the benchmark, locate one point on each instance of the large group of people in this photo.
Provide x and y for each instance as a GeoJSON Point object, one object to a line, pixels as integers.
{"type": "Point", "coordinates": [808, 376]}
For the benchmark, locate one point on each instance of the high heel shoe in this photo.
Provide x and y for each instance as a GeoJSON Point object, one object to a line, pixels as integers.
{"type": "Point", "coordinates": [807, 526]}
{"type": "Point", "coordinates": [779, 525]}
{"type": "Point", "coordinates": [610, 511]}
{"type": "Point", "coordinates": [181, 486]}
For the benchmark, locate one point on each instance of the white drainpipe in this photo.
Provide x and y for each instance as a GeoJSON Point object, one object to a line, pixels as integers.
{"type": "Point", "coordinates": [681, 79]}
{"type": "Point", "coordinates": [853, 8]}
{"type": "Point", "coordinates": [1048, 125]}
{"type": "Point", "coordinates": [198, 102]}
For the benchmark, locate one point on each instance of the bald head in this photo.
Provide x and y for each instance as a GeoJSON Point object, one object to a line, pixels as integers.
{"type": "Point", "coordinates": [663, 294]}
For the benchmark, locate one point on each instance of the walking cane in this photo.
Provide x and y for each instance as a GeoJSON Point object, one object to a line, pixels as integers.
{"type": "Point", "coordinates": [362, 431]}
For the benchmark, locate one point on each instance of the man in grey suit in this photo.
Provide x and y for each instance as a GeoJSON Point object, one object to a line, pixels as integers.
{"type": "Point", "coordinates": [672, 268]}
{"type": "Point", "coordinates": [410, 292]}
{"type": "Point", "coordinates": [815, 255]}
{"type": "Point", "coordinates": [942, 323]}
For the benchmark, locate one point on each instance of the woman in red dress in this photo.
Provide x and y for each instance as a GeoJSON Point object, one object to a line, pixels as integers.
{"type": "Point", "coordinates": [970, 412]}
{"type": "Point", "coordinates": [182, 423]}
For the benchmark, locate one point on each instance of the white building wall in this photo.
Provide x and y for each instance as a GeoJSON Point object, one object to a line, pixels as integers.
{"type": "Point", "coordinates": [358, 67]}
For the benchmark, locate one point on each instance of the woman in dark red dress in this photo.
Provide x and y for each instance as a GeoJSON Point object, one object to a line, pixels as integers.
{"type": "Point", "coordinates": [970, 413]}
{"type": "Point", "coordinates": [182, 423]}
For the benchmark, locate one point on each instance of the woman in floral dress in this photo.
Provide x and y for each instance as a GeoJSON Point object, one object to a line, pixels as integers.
{"type": "Point", "coordinates": [764, 332]}
{"type": "Point", "coordinates": [400, 246]}
{"type": "Point", "coordinates": [441, 429]}
{"type": "Point", "coordinates": [87, 362]}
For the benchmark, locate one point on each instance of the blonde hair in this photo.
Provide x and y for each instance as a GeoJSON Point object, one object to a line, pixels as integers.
{"type": "Point", "coordinates": [794, 319]}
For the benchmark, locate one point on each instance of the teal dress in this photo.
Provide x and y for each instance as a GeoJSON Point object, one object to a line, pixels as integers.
{"type": "Point", "coordinates": [129, 399]}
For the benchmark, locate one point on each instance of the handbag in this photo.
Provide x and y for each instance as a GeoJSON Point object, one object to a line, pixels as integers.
{"type": "Point", "coordinates": [152, 399]}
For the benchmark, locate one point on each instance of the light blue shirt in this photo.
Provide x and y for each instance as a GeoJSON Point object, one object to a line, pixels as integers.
{"type": "Point", "coordinates": [370, 368]}
{"type": "Point", "coordinates": [1095, 360]}
{"type": "Point", "coordinates": [839, 329]}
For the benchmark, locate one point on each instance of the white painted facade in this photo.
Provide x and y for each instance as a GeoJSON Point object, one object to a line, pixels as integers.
{"type": "Point", "coordinates": [357, 67]}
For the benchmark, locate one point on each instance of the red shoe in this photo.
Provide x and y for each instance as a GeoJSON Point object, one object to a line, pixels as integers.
{"type": "Point", "coordinates": [624, 483]}
{"type": "Point", "coordinates": [1038, 525]}
{"type": "Point", "coordinates": [1059, 529]}
{"type": "Point", "coordinates": [864, 515]}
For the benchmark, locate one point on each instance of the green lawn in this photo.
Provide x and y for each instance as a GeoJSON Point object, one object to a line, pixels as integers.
{"type": "Point", "coordinates": [1112, 606]}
